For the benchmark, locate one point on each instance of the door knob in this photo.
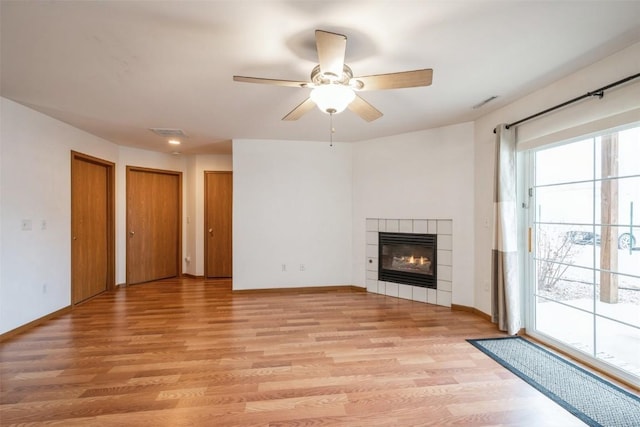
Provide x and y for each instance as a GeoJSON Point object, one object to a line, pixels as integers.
{"type": "Point", "coordinates": [75, 238]}
{"type": "Point", "coordinates": [131, 233]}
{"type": "Point", "coordinates": [211, 231]}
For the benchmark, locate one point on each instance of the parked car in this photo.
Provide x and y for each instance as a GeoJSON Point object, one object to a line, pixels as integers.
{"type": "Point", "coordinates": [625, 240]}
{"type": "Point", "coordinates": [583, 237]}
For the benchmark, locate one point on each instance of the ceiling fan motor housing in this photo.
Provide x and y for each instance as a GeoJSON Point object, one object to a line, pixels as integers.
{"type": "Point", "coordinates": [318, 78]}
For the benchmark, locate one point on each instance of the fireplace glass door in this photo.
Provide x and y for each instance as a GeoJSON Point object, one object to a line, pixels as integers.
{"type": "Point", "coordinates": [407, 258]}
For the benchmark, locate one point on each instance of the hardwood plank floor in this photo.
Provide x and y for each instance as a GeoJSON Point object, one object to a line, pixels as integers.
{"type": "Point", "coordinates": [192, 353]}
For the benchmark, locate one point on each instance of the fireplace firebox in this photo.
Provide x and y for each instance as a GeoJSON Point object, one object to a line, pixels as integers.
{"type": "Point", "coordinates": [408, 258]}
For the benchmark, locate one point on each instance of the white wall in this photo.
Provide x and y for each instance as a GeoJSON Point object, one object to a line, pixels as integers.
{"type": "Point", "coordinates": [292, 206]}
{"type": "Point", "coordinates": [190, 199]}
{"type": "Point", "coordinates": [615, 102]}
{"type": "Point", "coordinates": [427, 174]}
{"type": "Point", "coordinates": [35, 185]}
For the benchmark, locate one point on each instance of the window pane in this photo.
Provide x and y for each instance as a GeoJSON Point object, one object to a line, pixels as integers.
{"type": "Point", "coordinates": [628, 152]}
{"type": "Point", "coordinates": [570, 285]}
{"type": "Point", "coordinates": [629, 200]}
{"type": "Point", "coordinates": [621, 197]}
{"type": "Point", "coordinates": [568, 325]}
{"type": "Point", "coordinates": [617, 249]}
{"type": "Point", "coordinates": [618, 345]}
{"type": "Point", "coordinates": [566, 244]}
{"type": "Point", "coordinates": [626, 297]}
{"type": "Point", "coordinates": [566, 163]}
{"type": "Point", "coordinates": [568, 203]}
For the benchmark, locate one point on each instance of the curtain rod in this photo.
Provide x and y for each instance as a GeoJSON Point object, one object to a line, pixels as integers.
{"type": "Point", "coordinates": [598, 92]}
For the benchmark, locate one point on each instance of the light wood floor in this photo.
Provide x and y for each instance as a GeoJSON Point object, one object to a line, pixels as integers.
{"type": "Point", "coordinates": [192, 353]}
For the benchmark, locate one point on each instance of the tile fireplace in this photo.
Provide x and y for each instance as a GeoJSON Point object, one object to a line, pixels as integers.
{"type": "Point", "coordinates": [438, 290]}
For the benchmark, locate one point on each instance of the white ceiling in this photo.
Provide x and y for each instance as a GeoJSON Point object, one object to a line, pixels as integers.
{"type": "Point", "coordinates": [118, 68]}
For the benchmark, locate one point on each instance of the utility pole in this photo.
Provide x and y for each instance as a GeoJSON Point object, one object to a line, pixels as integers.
{"type": "Point", "coordinates": [609, 218]}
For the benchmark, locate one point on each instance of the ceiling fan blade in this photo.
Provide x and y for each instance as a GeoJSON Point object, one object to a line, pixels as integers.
{"type": "Point", "coordinates": [306, 106]}
{"type": "Point", "coordinates": [290, 83]}
{"type": "Point", "coordinates": [397, 80]}
{"type": "Point", "coordinates": [365, 110]}
{"type": "Point", "coordinates": [331, 50]}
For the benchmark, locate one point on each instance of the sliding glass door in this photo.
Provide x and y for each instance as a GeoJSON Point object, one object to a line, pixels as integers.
{"type": "Point", "coordinates": [585, 248]}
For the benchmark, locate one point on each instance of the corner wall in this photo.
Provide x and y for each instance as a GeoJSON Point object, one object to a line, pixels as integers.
{"type": "Point", "coordinates": [291, 208]}
{"type": "Point", "coordinates": [426, 174]}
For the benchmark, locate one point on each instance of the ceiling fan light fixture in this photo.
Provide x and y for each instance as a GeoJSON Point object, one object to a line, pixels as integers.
{"type": "Point", "coordinates": [332, 98]}
{"type": "Point", "coordinates": [333, 85]}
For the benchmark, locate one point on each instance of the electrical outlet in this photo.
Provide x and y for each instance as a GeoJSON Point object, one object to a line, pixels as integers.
{"type": "Point", "coordinates": [44, 288]}
{"type": "Point", "coordinates": [26, 225]}
{"type": "Point", "coordinates": [302, 267]}
{"type": "Point", "coordinates": [284, 267]}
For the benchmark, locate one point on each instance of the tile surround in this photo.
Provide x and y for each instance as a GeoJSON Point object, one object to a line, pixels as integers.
{"type": "Point", "coordinates": [443, 228]}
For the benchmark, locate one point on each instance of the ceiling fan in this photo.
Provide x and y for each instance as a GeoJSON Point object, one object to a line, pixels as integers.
{"type": "Point", "coordinates": [333, 85]}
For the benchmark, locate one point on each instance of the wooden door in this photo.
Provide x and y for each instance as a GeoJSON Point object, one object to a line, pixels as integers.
{"type": "Point", "coordinates": [218, 213]}
{"type": "Point", "coordinates": [154, 234]}
{"type": "Point", "coordinates": [92, 227]}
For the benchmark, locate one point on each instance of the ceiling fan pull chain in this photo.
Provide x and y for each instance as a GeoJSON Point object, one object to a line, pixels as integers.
{"type": "Point", "coordinates": [331, 129]}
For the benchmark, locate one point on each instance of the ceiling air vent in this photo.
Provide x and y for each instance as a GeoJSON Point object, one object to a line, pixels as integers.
{"type": "Point", "coordinates": [169, 133]}
{"type": "Point", "coordinates": [485, 102]}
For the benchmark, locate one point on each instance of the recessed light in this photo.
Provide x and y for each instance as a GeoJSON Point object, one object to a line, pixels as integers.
{"type": "Point", "coordinates": [174, 142]}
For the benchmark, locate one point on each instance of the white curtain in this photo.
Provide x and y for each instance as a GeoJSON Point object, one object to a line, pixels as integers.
{"type": "Point", "coordinates": [504, 274]}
